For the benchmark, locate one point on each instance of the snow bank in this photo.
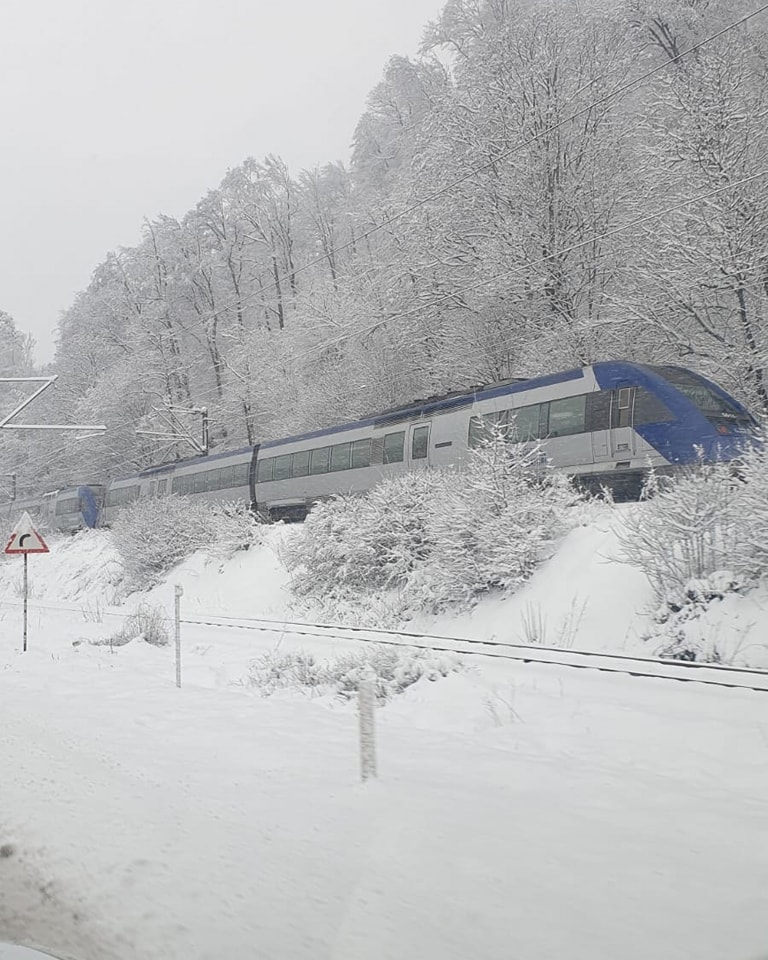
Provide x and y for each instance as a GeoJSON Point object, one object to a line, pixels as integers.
{"type": "Point", "coordinates": [520, 811]}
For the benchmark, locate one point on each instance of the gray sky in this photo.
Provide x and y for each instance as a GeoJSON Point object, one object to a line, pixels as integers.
{"type": "Point", "coordinates": [113, 110]}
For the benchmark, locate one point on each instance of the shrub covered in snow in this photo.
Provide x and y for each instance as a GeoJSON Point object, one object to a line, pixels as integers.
{"type": "Point", "coordinates": [148, 622]}
{"type": "Point", "coordinates": [680, 633]}
{"type": "Point", "coordinates": [709, 519]}
{"type": "Point", "coordinates": [154, 534]}
{"type": "Point", "coordinates": [433, 537]}
{"type": "Point", "coordinates": [687, 530]}
{"type": "Point", "coordinates": [395, 670]}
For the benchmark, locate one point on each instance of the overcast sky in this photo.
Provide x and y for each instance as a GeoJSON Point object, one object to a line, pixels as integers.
{"type": "Point", "coordinates": [113, 110]}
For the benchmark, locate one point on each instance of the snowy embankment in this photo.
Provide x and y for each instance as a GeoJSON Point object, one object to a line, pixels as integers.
{"type": "Point", "coordinates": [520, 811]}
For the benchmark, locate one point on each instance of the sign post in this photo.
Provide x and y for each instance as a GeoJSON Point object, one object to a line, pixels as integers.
{"type": "Point", "coordinates": [25, 539]}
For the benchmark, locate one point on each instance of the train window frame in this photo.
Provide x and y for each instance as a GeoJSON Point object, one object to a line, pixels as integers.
{"type": "Point", "coordinates": [416, 438]}
{"type": "Point", "coordinates": [282, 467]}
{"type": "Point", "coordinates": [358, 446]}
{"type": "Point", "coordinates": [319, 457]}
{"type": "Point", "coordinates": [649, 408]}
{"type": "Point", "coordinates": [227, 477]}
{"type": "Point", "coordinates": [394, 447]}
{"type": "Point", "coordinates": [579, 413]}
{"type": "Point", "coordinates": [341, 454]}
{"type": "Point", "coordinates": [300, 463]}
{"type": "Point", "coordinates": [531, 411]}
{"type": "Point", "coordinates": [598, 411]}
{"type": "Point", "coordinates": [264, 470]}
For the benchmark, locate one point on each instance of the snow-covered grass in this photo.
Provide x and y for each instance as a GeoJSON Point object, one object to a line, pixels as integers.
{"type": "Point", "coordinates": [394, 671]}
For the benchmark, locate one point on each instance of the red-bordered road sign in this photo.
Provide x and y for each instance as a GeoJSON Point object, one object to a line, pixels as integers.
{"type": "Point", "coordinates": [25, 539]}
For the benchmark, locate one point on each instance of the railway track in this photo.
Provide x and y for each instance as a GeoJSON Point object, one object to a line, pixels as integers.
{"type": "Point", "coordinates": [684, 671]}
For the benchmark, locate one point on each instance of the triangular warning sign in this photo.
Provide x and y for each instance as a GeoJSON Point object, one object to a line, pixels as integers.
{"type": "Point", "coordinates": [25, 539]}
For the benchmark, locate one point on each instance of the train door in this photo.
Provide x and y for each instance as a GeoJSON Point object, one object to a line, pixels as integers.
{"type": "Point", "coordinates": [622, 433]}
{"type": "Point", "coordinates": [610, 419]}
{"type": "Point", "coordinates": [418, 445]}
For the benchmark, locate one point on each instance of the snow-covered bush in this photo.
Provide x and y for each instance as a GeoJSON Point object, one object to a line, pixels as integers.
{"type": "Point", "coordinates": [491, 523]}
{"type": "Point", "coordinates": [148, 622]}
{"type": "Point", "coordinates": [687, 530]}
{"type": "Point", "coordinates": [352, 543]}
{"type": "Point", "coordinates": [154, 534]}
{"type": "Point", "coordinates": [433, 537]}
{"type": "Point", "coordinates": [678, 635]}
{"type": "Point", "coordinates": [395, 670]}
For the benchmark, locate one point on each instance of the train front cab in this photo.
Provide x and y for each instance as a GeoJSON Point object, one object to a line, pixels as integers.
{"type": "Point", "coordinates": [663, 417]}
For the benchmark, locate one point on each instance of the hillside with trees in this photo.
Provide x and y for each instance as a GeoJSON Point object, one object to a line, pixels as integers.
{"type": "Point", "coordinates": [515, 203]}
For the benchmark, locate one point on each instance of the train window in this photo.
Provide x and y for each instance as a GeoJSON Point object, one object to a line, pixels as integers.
{"type": "Point", "coordinates": [567, 416]}
{"type": "Point", "coordinates": [598, 410]}
{"type": "Point", "coordinates": [649, 408]}
{"type": "Point", "coordinates": [300, 467]}
{"type": "Point", "coordinates": [318, 460]}
{"type": "Point", "coordinates": [420, 443]}
{"type": "Point", "coordinates": [394, 447]}
{"type": "Point", "coordinates": [241, 474]}
{"type": "Point", "coordinates": [361, 453]}
{"type": "Point", "coordinates": [226, 478]}
{"type": "Point", "coordinates": [621, 408]}
{"type": "Point", "coordinates": [477, 431]}
{"type": "Point", "coordinates": [525, 423]}
{"type": "Point", "coordinates": [340, 453]}
{"type": "Point", "coordinates": [199, 483]}
{"type": "Point", "coordinates": [162, 486]}
{"type": "Point", "coordinates": [152, 487]}
{"type": "Point", "coordinates": [264, 470]}
{"type": "Point", "coordinates": [282, 469]}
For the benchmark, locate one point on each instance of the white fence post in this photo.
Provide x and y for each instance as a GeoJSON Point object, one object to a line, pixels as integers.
{"type": "Point", "coordinates": [366, 704]}
{"type": "Point", "coordinates": [178, 591]}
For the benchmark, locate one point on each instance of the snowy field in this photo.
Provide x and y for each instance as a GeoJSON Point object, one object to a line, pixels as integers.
{"type": "Point", "coordinates": [521, 811]}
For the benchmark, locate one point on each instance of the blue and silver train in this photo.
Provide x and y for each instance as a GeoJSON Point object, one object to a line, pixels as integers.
{"type": "Point", "coordinates": [605, 425]}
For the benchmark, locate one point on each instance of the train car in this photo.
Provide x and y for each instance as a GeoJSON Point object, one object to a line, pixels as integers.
{"type": "Point", "coordinates": [606, 425]}
{"type": "Point", "coordinates": [77, 508]}
{"type": "Point", "coordinates": [13, 509]}
{"type": "Point", "coordinates": [216, 477]}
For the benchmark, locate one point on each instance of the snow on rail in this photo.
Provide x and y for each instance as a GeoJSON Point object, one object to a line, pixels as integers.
{"type": "Point", "coordinates": [688, 671]}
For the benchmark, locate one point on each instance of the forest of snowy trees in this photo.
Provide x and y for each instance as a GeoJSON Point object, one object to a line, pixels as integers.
{"type": "Point", "coordinates": [514, 205]}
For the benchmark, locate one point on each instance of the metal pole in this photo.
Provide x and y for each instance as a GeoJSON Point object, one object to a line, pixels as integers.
{"type": "Point", "coordinates": [366, 702]}
{"type": "Point", "coordinates": [178, 591]}
{"type": "Point", "coordinates": [25, 603]}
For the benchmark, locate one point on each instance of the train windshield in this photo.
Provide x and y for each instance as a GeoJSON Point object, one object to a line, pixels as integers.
{"type": "Point", "coordinates": [709, 401]}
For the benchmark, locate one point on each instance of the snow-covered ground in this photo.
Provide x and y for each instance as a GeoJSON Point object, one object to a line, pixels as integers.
{"type": "Point", "coordinates": [520, 812]}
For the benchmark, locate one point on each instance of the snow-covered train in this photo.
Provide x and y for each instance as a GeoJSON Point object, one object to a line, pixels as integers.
{"type": "Point", "coordinates": [605, 425]}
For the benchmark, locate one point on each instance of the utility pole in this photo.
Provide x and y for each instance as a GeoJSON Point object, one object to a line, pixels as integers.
{"type": "Point", "coordinates": [179, 432]}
